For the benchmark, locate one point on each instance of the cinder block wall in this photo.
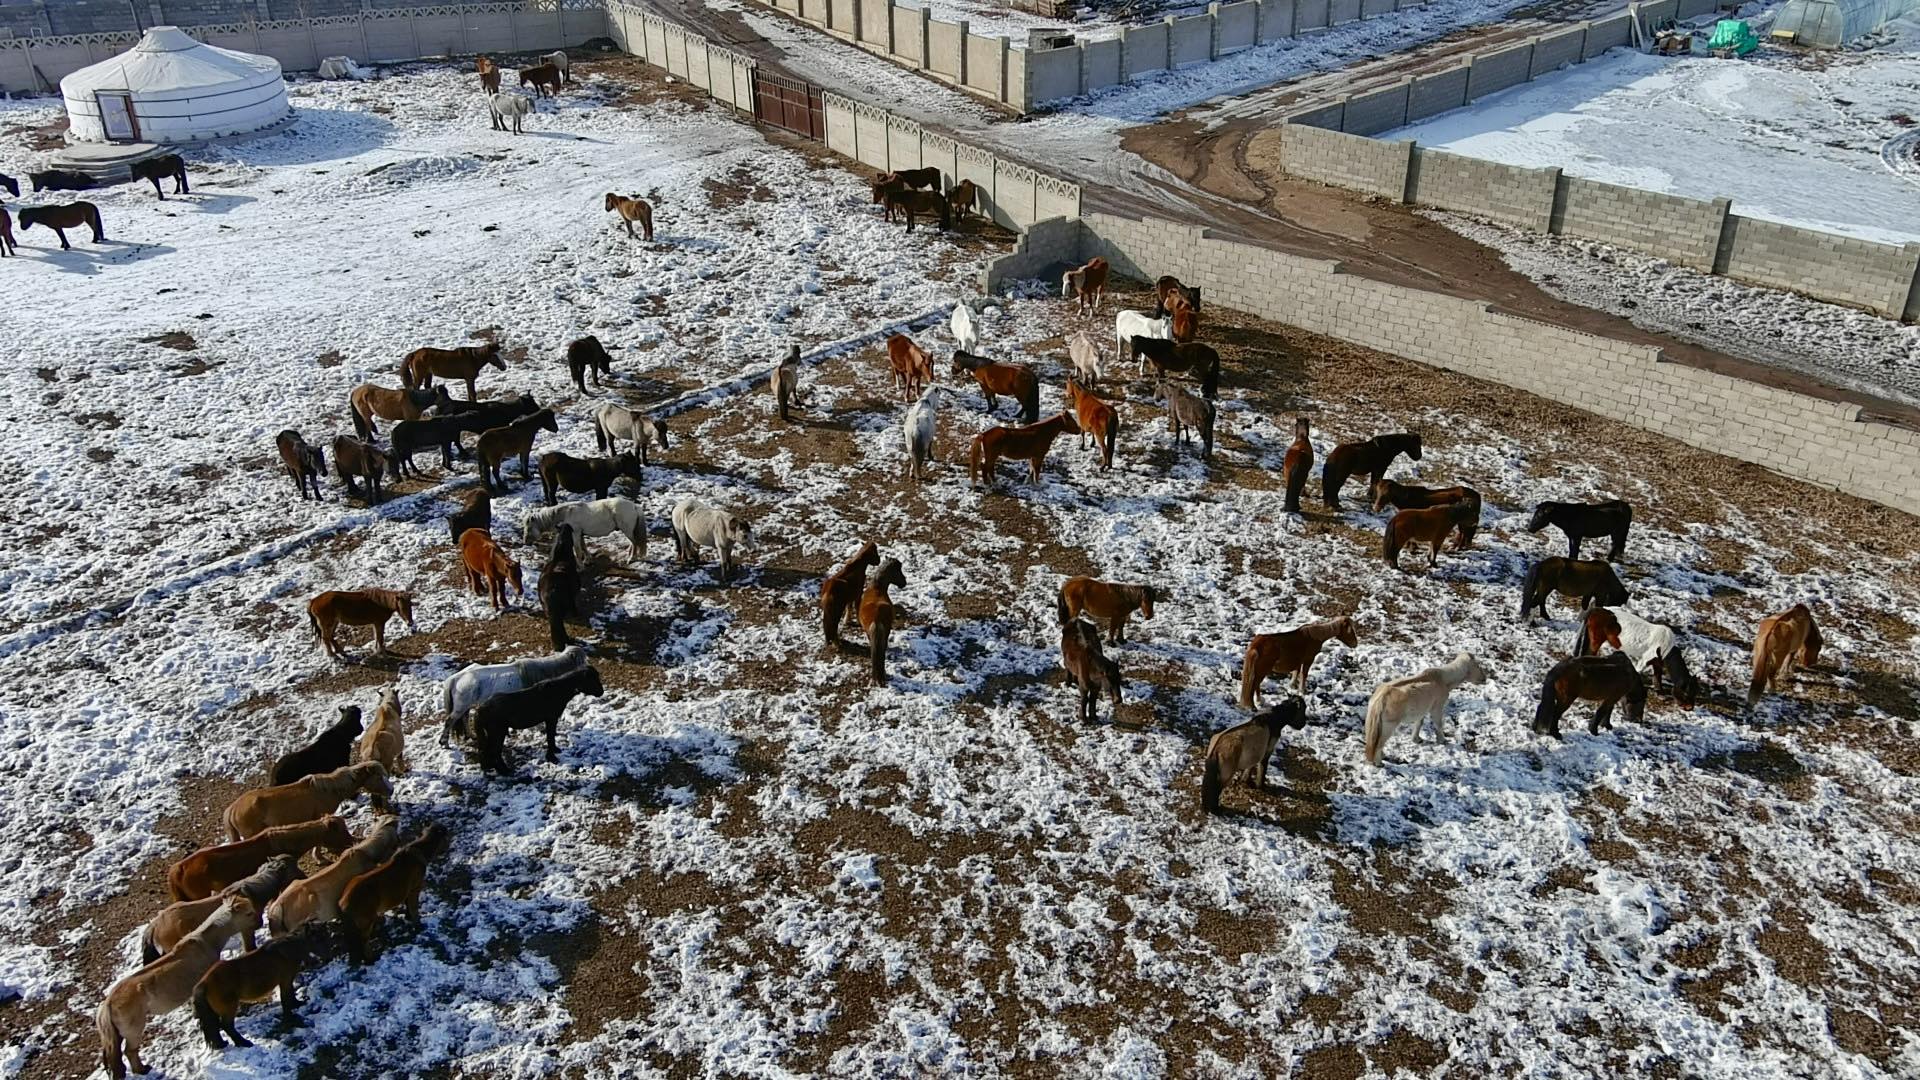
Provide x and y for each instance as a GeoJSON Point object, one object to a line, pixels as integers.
{"type": "Point", "coordinates": [1685, 231]}
{"type": "Point", "coordinates": [1349, 161]}
{"type": "Point", "coordinates": [1509, 193]}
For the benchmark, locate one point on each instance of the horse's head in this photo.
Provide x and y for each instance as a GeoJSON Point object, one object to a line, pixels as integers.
{"type": "Point", "coordinates": [39, 181]}
{"type": "Point", "coordinates": [612, 200]}
{"type": "Point", "coordinates": [1110, 680]}
{"type": "Point", "coordinates": [1636, 694]}
{"type": "Point", "coordinates": [1344, 630]}
{"type": "Point", "coordinates": [384, 462]}
{"type": "Point", "coordinates": [490, 354]}
{"type": "Point", "coordinates": [590, 683]}
{"type": "Point", "coordinates": [891, 574]}
{"type": "Point", "coordinates": [1475, 672]}
{"type": "Point", "coordinates": [1413, 446]}
{"type": "Point", "coordinates": [514, 575]}
{"type": "Point", "coordinates": [530, 532]}
{"type": "Point", "coordinates": [1686, 688]}
{"type": "Point", "coordinates": [349, 718]}
{"type": "Point", "coordinates": [1382, 491]}
{"type": "Point", "coordinates": [371, 776]}
{"type": "Point", "coordinates": [1068, 424]}
{"type": "Point", "coordinates": [660, 430]}
{"type": "Point", "coordinates": [403, 602]}
{"type": "Point", "coordinates": [546, 420]}
{"type": "Point", "coordinates": [336, 837]}
{"type": "Point", "coordinates": [1147, 596]}
{"type": "Point", "coordinates": [441, 399]}
{"type": "Point", "coordinates": [628, 465]}
{"type": "Point", "coordinates": [1291, 713]}
{"type": "Point", "coordinates": [1542, 517]}
{"type": "Point", "coordinates": [316, 461]}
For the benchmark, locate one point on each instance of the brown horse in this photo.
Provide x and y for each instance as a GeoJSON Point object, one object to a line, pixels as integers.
{"type": "Point", "coordinates": [1016, 381]}
{"type": "Point", "coordinates": [1186, 318]}
{"type": "Point", "coordinates": [395, 883]}
{"type": "Point", "coordinates": [1244, 749]}
{"type": "Point", "coordinates": [544, 78]}
{"type": "Point", "coordinates": [213, 868]}
{"type": "Point", "coordinates": [912, 367]}
{"type": "Point", "coordinates": [1585, 581]}
{"type": "Point", "coordinates": [496, 445]}
{"type": "Point", "coordinates": [1429, 526]}
{"type": "Point", "coordinates": [1096, 418]}
{"type": "Point", "coordinates": [586, 355]}
{"type": "Point", "coordinates": [840, 592]}
{"type": "Point", "coordinates": [1409, 497]}
{"type": "Point", "coordinates": [1297, 465]}
{"type": "Point", "coordinates": [928, 178]}
{"type": "Point", "coordinates": [64, 217]}
{"type": "Point", "coordinates": [564, 472]}
{"type": "Point", "coordinates": [917, 204]}
{"type": "Point", "coordinates": [964, 199]}
{"type": "Point", "coordinates": [304, 463]}
{"type": "Point", "coordinates": [484, 562]}
{"type": "Point", "coordinates": [1200, 361]}
{"type": "Point", "coordinates": [1602, 679]}
{"type": "Point", "coordinates": [633, 208]}
{"type": "Point", "coordinates": [369, 400]}
{"type": "Point", "coordinates": [1782, 638]}
{"type": "Point", "coordinates": [1029, 444]}
{"type": "Point", "coordinates": [1105, 600]}
{"type": "Point", "coordinates": [1291, 651]}
{"type": "Point", "coordinates": [6, 233]}
{"type": "Point", "coordinates": [1166, 289]}
{"type": "Point", "coordinates": [877, 614]}
{"type": "Point", "coordinates": [489, 74]}
{"type": "Point", "coordinates": [1370, 457]}
{"type": "Point", "coordinates": [362, 607]}
{"type": "Point", "coordinates": [1088, 283]}
{"type": "Point", "coordinates": [248, 978]}
{"type": "Point", "coordinates": [464, 363]}
{"type": "Point", "coordinates": [1090, 668]}
{"type": "Point", "coordinates": [359, 458]}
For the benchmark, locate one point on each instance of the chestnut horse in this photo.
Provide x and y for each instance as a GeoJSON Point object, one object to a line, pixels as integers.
{"type": "Point", "coordinates": [1186, 318]}
{"type": "Point", "coordinates": [877, 614]}
{"type": "Point", "coordinates": [1088, 283]}
{"type": "Point", "coordinates": [1029, 443]}
{"type": "Point", "coordinates": [1298, 463]}
{"type": "Point", "coordinates": [840, 592]}
{"type": "Point", "coordinates": [496, 445]}
{"type": "Point", "coordinates": [1429, 526]}
{"type": "Point", "coordinates": [912, 367]}
{"type": "Point", "coordinates": [1409, 497]}
{"type": "Point", "coordinates": [633, 208]}
{"type": "Point", "coordinates": [486, 563]}
{"type": "Point", "coordinates": [1371, 457]}
{"type": "Point", "coordinates": [1602, 679]}
{"type": "Point", "coordinates": [1291, 651]}
{"type": "Point", "coordinates": [1016, 381]}
{"type": "Point", "coordinates": [464, 363]}
{"type": "Point", "coordinates": [1096, 418]}
{"type": "Point", "coordinates": [1105, 600]}
{"type": "Point", "coordinates": [1585, 581]}
{"type": "Point", "coordinates": [1782, 639]}
{"type": "Point", "coordinates": [62, 218]}
{"type": "Point", "coordinates": [363, 607]}
{"type": "Point", "coordinates": [1168, 287]}
{"type": "Point", "coordinates": [1580, 520]}
{"type": "Point", "coordinates": [489, 74]}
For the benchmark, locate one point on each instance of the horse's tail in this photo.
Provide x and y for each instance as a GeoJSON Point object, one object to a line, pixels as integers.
{"type": "Point", "coordinates": [1060, 604]}
{"type": "Point", "coordinates": [599, 434]}
{"type": "Point", "coordinates": [1376, 729]}
{"type": "Point", "coordinates": [148, 952]}
{"type": "Point", "coordinates": [1333, 476]}
{"type": "Point", "coordinates": [1210, 785]}
{"type": "Point", "coordinates": [1760, 666]}
{"type": "Point", "coordinates": [1030, 402]}
{"type": "Point", "coordinates": [314, 620]}
{"type": "Point", "coordinates": [1528, 587]}
{"type": "Point", "coordinates": [877, 648]}
{"type": "Point", "coordinates": [1113, 435]}
{"type": "Point", "coordinates": [203, 1012]}
{"type": "Point", "coordinates": [1206, 434]}
{"type": "Point", "coordinates": [1249, 679]}
{"type": "Point", "coordinates": [556, 623]}
{"type": "Point", "coordinates": [93, 219]}
{"type": "Point", "coordinates": [1210, 380]}
{"type": "Point", "coordinates": [360, 423]}
{"type": "Point", "coordinates": [110, 1042]}
{"type": "Point", "coordinates": [1580, 637]}
{"type": "Point", "coordinates": [1386, 543]}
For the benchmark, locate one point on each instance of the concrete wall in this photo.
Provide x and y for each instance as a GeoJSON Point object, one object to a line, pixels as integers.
{"type": "Point", "coordinates": [1562, 48]}
{"type": "Point", "coordinates": [986, 68]}
{"type": "Point", "coordinates": [1509, 193]}
{"type": "Point", "coordinates": [1377, 110]}
{"type": "Point", "coordinates": [1612, 32]}
{"type": "Point", "coordinates": [946, 44]}
{"type": "Point", "coordinates": [1349, 161]}
{"type": "Point", "coordinates": [1681, 230]}
{"type": "Point", "coordinates": [1233, 26]}
{"type": "Point", "coordinates": [1878, 277]}
{"type": "Point", "coordinates": [1190, 38]}
{"type": "Point", "coordinates": [1492, 72]}
{"type": "Point", "coordinates": [1436, 93]}
{"type": "Point", "coordinates": [727, 76]}
{"type": "Point", "coordinates": [1143, 50]}
{"type": "Point", "coordinates": [982, 65]}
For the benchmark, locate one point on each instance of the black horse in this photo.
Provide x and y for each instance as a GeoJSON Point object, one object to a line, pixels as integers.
{"type": "Point", "coordinates": [12, 185]}
{"type": "Point", "coordinates": [330, 751]}
{"type": "Point", "coordinates": [1370, 457]}
{"type": "Point", "coordinates": [560, 585]}
{"type": "Point", "coordinates": [1581, 520]}
{"type": "Point", "coordinates": [1585, 581]}
{"type": "Point", "coordinates": [61, 180]}
{"type": "Point", "coordinates": [564, 472]}
{"type": "Point", "coordinates": [588, 355]}
{"type": "Point", "coordinates": [541, 704]}
{"type": "Point", "coordinates": [456, 418]}
{"type": "Point", "coordinates": [160, 168]}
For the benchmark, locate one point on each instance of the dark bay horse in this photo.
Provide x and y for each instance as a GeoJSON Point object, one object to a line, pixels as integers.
{"type": "Point", "coordinates": [62, 218]}
{"type": "Point", "coordinates": [1585, 581]}
{"type": "Point", "coordinates": [1296, 466]}
{"type": "Point", "coordinates": [61, 180]}
{"type": "Point", "coordinates": [918, 204]}
{"type": "Point", "coordinates": [539, 705]}
{"type": "Point", "coordinates": [1090, 668]}
{"type": "Point", "coordinates": [1200, 361]}
{"type": "Point", "coordinates": [1580, 520]}
{"type": "Point", "coordinates": [1370, 458]}
{"type": "Point", "coordinates": [588, 355]}
{"type": "Point", "coordinates": [559, 588]}
{"type": "Point", "coordinates": [161, 168]}
{"type": "Point", "coordinates": [6, 233]}
{"type": "Point", "coordinates": [1166, 289]}
{"type": "Point", "coordinates": [304, 462]}
{"type": "Point", "coordinates": [1602, 679]}
{"type": "Point", "coordinates": [840, 592]}
{"type": "Point", "coordinates": [1016, 381]}
{"type": "Point", "coordinates": [1409, 497]}
{"type": "Point", "coordinates": [564, 472]}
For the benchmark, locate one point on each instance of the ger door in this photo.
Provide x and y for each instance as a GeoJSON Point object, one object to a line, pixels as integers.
{"type": "Point", "coordinates": [116, 115]}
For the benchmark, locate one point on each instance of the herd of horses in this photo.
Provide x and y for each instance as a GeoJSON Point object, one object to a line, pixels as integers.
{"type": "Point", "coordinates": [60, 217]}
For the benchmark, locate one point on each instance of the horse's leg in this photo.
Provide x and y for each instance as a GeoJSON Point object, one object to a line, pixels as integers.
{"type": "Point", "coordinates": [1602, 717]}
{"type": "Point", "coordinates": [1573, 544]}
{"type": "Point", "coordinates": [1119, 634]}
{"type": "Point", "coordinates": [64, 246]}
{"type": "Point", "coordinates": [1300, 676]}
{"type": "Point", "coordinates": [469, 388]}
{"type": "Point", "coordinates": [380, 638]}
{"type": "Point", "coordinates": [553, 727]}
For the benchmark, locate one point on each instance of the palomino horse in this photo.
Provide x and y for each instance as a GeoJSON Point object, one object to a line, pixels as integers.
{"type": "Point", "coordinates": [1650, 645]}
{"type": "Point", "coordinates": [912, 367]}
{"type": "Point", "coordinates": [840, 592]}
{"type": "Point", "coordinates": [260, 809]}
{"type": "Point", "coordinates": [611, 423]}
{"type": "Point", "coordinates": [369, 400]}
{"type": "Point", "coordinates": [464, 364]}
{"type": "Point", "coordinates": [249, 978]}
{"type": "Point", "coordinates": [362, 607]}
{"type": "Point", "coordinates": [509, 109]}
{"type": "Point", "coordinates": [697, 525]}
{"type": "Point", "coordinates": [179, 918]}
{"type": "Point", "coordinates": [164, 167]}
{"type": "Point", "coordinates": [1242, 751]}
{"type": "Point", "coordinates": [1409, 497]}
{"type": "Point", "coordinates": [918, 204]}
{"type": "Point", "coordinates": [586, 355]}
{"type": "Point", "coordinates": [1585, 581]}
{"type": "Point", "coordinates": [1105, 600]}
{"type": "Point", "coordinates": [1289, 652]}
{"type": "Point", "coordinates": [1296, 466]}
{"type": "Point", "coordinates": [385, 740]}
{"type": "Point", "coordinates": [1128, 325]}
{"type": "Point", "coordinates": [1166, 289]}
{"type": "Point", "coordinates": [1029, 444]}
{"type": "Point", "coordinates": [964, 199]}
{"type": "Point", "coordinates": [1200, 361]}
{"type": "Point", "coordinates": [539, 705]}
{"type": "Point", "coordinates": [633, 208]}
{"type": "Point", "coordinates": [1430, 526]}
{"type": "Point", "coordinates": [877, 614]}
{"type": "Point", "coordinates": [163, 986]}
{"type": "Point", "coordinates": [1084, 355]}
{"type": "Point", "coordinates": [1783, 639]}
{"type": "Point", "coordinates": [1186, 413]}
{"type": "Point", "coordinates": [564, 472]}
{"type": "Point", "coordinates": [64, 217]}
{"type": "Point", "coordinates": [1097, 419]}
{"type": "Point", "coordinates": [476, 683]}
{"type": "Point", "coordinates": [496, 445]}
{"type": "Point", "coordinates": [1088, 283]}
{"type": "Point", "coordinates": [922, 419]}
{"type": "Point", "coordinates": [1581, 520]}
{"type": "Point", "coordinates": [316, 898]}
{"type": "Point", "coordinates": [544, 78]}
{"type": "Point", "coordinates": [360, 458]}
{"type": "Point", "coordinates": [1601, 679]}
{"type": "Point", "coordinates": [1370, 458]}
{"type": "Point", "coordinates": [1090, 668]}
{"type": "Point", "coordinates": [488, 568]}
{"type": "Point", "coordinates": [1016, 381]}
{"type": "Point", "coordinates": [1422, 697]}
{"type": "Point", "coordinates": [304, 463]}
{"type": "Point", "coordinates": [395, 883]}
{"type": "Point", "coordinates": [489, 74]}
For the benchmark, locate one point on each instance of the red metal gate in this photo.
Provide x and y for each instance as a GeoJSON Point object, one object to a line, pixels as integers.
{"type": "Point", "coordinates": [790, 104]}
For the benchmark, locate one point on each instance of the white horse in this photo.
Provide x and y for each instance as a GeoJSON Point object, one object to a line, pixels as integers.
{"type": "Point", "coordinates": [697, 525]}
{"type": "Point", "coordinates": [476, 683]}
{"type": "Point", "coordinates": [966, 332]}
{"type": "Point", "coordinates": [558, 58]}
{"type": "Point", "coordinates": [509, 105]}
{"type": "Point", "coordinates": [1132, 324]}
{"type": "Point", "coordinates": [1644, 642]}
{"type": "Point", "coordinates": [615, 516]}
{"type": "Point", "coordinates": [611, 422]}
{"type": "Point", "coordinates": [1085, 356]}
{"type": "Point", "coordinates": [919, 427]}
{"type": "Point", "coordinates": [1422, 697]}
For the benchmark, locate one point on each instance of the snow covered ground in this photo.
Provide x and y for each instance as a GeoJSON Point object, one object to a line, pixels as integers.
{"type": "Point", "coordinates": [1787, 135]}
{"type": "Point", "coordinates": [748, 861]}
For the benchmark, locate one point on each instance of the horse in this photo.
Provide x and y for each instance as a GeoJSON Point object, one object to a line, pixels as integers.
{"type": "Point", "coordinates": [612, 423]}
{"type": "Point", "coordinates": [1298, 463]}
{"type": "Point", "coordinates": [966, 332]}
{"type": "Point", "coordinates": [1782, 639]}
{"type": "Point", "coordinates": [359, 458]}
{"type": "Point", "coordinates": [1602, 679]}
{"type": "Point", "coordinates": [1649, 644]}
{"type": "Point", "coordinates": [496, 445]}
{"type": "Point", "coordinates": [1096, 418]}
{"type": "Point", "coordinates": [877, 614]}
{"type": "Point", "coordinates": [1029, 444]}
{"type": "Point", "coordinates": [1290, 651]}
{"type": "Point", "coordinates": [1186, 413]}
{"type": "Point", "coordinates": [1090, 668]}
{"type": "Point", "coordinates": [928, 177]}
{"type": "Point", "coordinates": [163, 986]}
{"type": "Point", "coordinates": [561, 63]}
{"type": "Point", "coordinates": [1163, 356]}
{"type": "Point", "coordinates": [1581, 520]}
{"type": "Point", "coordinates": [1422, 697]}
{"type": "Point", "coordinates": [476, 683]}
{"type": "Point", "coordinates": [964, 198]}
{"type": "Point", "coordinates": [395, 883]}
{"type": "Point", "coordinates": [361, 607]}
{"type": "Point", "coordinates": [841, 590]}
{"type": "Point", "coordinates": [785, 382]}
{"type": "Point", "coordinates": [912, 367]}
{"type": "Point", "coordinates": [614, 516]}
{"type": "Point", "coordinates": [564, 472]}
{"type": "Point", "coordinates": [1084, 355]}
{"type": "Point", "coordinates": [533, 706]}
{"type": "Point", "coordinates": [1105, 600]}
{"type": "Point", "coordinates": [917, 204]}
{"type": "Point", "coordinates": [883, 185]}
{"type": "Point", "coordinates": [1586, 581]}
{"type": "Point", "coordinates": [1242, 751]}
{"type": "Point", "coordinates": [476, 512]}
{"type": "Point", "coordinates": [12, 185]}
{"type": "Point", "coordinates": [464, 363]}
{"type": "Point", "coordinates": [7, 246]}
{"type": "Point", "coordinates": [488, 568]}
{"type": "Point", "coordinates": [588, 355]}
{"type": "Point", "coordinates": [179, 918]}
{"type": "Point", "coordinates": [697, 525]}
{"type": "Point", "coordinates": [219, 866]}
{"type": "Point", "coordinates": [633, 208]}
{"type": "Point", "coordinates": [1430, 526]}
{"type": "Point", "coordinates": [161, 168]}
{"type": "Point", "coordinates": [560, 586]}
{"type": "Point", "coordinates": [60, 180]}
{"type": "Point", "coordinates": [1016, 381]}
{"type": "Point", "coordinates": [1129, 324]}
{"type": "Point", "coordinates": [508, 105]}
{"type": "Point", "coordinates": [921, 420]}
{"type": "Point", "coordinates": [456, 418]}
{"type": "Point", "coordinates": [329, 750]}
{"type": "Point", "coordinates": [544, 78]}
{"type": "Point", "coordinates": [1088, 283]}
{"type": "Point", "coordinates": [1184, 317]}
{"type": "Point", "coordinates": [1166, 288]}
{"type": "Point", "coordinates": [369, 400]}
{"type": "Point", "coordinates": [386, 741]}
{"type": "Point", "coordinates": [303, 462]}
{"type": "Point", "coordinates": [1409, 497]}
{"type": "Point", "coordinates": [305, 799]}
{"type": "Point", "coordinates": [64, 217]}
{"type": "Point", "coordinates": [489, 75]}
{"type": "Point", "coordinates": [1371, 457]}
{"type": "Point", "coordinates": [246, 979]}
{"type": "Point", "coordinates": [316, 899]}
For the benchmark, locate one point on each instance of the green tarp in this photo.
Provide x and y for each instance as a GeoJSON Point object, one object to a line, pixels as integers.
{"type": "Point", "coordinates": [1733, 36]}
